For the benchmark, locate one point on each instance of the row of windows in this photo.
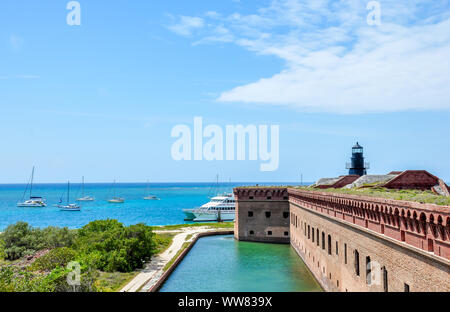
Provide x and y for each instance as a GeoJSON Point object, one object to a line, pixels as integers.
{"type": "Point", "coordinates": [323, 241]}
{"type": "Point", "coordinates": [269, 233]}
{"type": "Point", "coordinates": [268, 214]}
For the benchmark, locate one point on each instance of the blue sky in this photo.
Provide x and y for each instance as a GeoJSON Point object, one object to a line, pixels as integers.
{"type": "Point", "coordinates": [100, 99]}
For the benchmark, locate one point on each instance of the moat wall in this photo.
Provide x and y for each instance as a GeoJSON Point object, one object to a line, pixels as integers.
{"type": "Point", "coordinates": [354, 243]}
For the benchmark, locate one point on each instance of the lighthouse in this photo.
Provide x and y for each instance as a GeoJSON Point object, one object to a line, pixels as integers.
{"type": "Point", "coordinates": [357, 166]}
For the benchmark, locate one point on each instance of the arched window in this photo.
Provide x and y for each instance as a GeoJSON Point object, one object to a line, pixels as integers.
{"type": "Point", "coordinates": [317, 237]}
{"type": "Point", "coordinates": [323, 240]}
{"type": "Point", "coordinates": [309, 232]}
{"type": "Point", "coordinates": [313, 234]}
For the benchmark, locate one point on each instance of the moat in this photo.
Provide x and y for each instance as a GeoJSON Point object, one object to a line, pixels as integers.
{"type": "Point", "coordinates": [222, 264]}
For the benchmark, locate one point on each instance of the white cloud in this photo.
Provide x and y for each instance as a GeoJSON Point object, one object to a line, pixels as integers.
{"type": "Point", "coordinates": [186, 25]}
{"type": "Point", "coordinates": [336, 63]}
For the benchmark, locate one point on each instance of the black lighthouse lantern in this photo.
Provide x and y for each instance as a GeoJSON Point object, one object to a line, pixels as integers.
{"type": "Point", "coordinates": [357, 165]}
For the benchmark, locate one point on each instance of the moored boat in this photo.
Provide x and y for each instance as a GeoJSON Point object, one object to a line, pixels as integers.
{"type": "Point", "coordinates": [68, 206]}
{"type": "Point", "coordinates": [84, 198]}
{"type": "Point", "coordinates": [33, 201]}
{"type": "Point", "coordinates": [115, 199]}
{"type": "Point", "coordinates": [220, 208]}
{"type": "Point", "coordinates": [149, 196]}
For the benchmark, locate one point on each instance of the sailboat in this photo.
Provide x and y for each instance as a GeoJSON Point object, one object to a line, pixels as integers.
{"type": "Point", "coordinates": [115, 199]}
{"type": "Point", "coordinates": [83, 197]}
{"type": "Point", "coordinates": [149, 196]}
{"type": "Point", "coordinates": [68, 206]}
{"type": "Point", "coordinates": [34, 201]}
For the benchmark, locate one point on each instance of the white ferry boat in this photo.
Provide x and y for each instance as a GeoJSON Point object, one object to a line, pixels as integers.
{"type": "Point", "coordinates": [220, 208]}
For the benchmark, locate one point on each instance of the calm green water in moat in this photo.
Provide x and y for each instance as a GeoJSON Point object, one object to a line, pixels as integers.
{"type": "Point", "coordinates": [222, 264]}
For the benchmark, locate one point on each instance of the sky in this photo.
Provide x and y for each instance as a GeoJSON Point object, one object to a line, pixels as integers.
{"type": "Point", "coordinates": [100, 99]}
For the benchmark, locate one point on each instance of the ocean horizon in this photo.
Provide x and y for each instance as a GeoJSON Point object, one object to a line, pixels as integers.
{"type": "Point", "coordinates": [174, 197]}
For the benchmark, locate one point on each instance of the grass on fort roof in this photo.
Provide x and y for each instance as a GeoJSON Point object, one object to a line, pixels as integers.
{"type": "Point", "coordinates": [408, 195]}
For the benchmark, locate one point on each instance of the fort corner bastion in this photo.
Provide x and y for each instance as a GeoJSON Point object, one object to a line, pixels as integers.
{"type": "Point", "coordinates": [353, 242]}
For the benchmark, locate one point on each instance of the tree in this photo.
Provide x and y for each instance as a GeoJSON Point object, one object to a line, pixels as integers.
{"type": "Point", "coordinates": [2, 250]}
{"type": "Point", "coordinates": [110, 246]}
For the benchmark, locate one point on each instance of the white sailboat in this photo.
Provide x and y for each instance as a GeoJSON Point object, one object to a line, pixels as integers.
{"type": "Point", "coordinates": [33, 201]}
{"type": "Point", "coordinates": [115, 199]}
{"type": "Point", "coordinates": [149, 196]}
{"type": "Point", "coordinates": [69, 206]}
{"type": "Point", "coordinates": [84, 198]}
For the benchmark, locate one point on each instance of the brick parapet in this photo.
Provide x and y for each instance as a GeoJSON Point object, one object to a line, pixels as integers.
{"type": "Point", "coordinates": [424, 226]}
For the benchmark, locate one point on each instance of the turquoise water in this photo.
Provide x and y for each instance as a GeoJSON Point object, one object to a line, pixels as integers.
{"type": "Point", "coordinates": [174, 198]}
{"type": "Point", "coordinates": [222, 264]}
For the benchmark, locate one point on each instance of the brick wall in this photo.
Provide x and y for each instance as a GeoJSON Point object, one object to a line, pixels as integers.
{"type": "Point", "coordinates": [405, 244]}
{"type": "Point", "coordinates": [262, 215]}
{"type": "Point", "coordinates": [398, 242]}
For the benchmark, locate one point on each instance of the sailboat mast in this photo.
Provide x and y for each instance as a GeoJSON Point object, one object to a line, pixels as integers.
{"type": "Point", "coordinates": [68, 191]}
{"type": "Point", "coordinates": [31, 183]}
{"type": "Point", "coordinates": [82, 186]}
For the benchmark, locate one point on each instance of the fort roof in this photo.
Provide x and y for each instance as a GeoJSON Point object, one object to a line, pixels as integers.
{"type": "Point", "coordinates": [416, 196]}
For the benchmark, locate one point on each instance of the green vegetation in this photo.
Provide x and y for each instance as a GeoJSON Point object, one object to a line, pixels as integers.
{"type": "Point", "coordinates": [110, 246]}
{"type": "Point", "coordinates": [21, 240]}
{"type": "Point", "coordinates": [162, 242]}
{"type": "Point", "coordinates": [2, 250]}
{"type": "Point", "coordinates": [113, 282]}
{"type": "Point", "coordinates": [169, 264]}
{"type": "Point", "coordinates": [107, 254]}
{"type": "Point", "coordinates": [408, 195]}
{"type": "Point", "coordinates": [56, 258]}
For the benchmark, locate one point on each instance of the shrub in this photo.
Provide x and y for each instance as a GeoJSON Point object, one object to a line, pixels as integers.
{"type": "Point", "coordinates": [54, 237]}
{"type": "Point", "coordinates": [56, 258]}
{"type": "Point", "coordinates": [110, 246]}
{"type": "Point", "coordinates": [2, 250]}
{"type": "Point", "coordinates": [21, 239]}
{"type": "Point", "coordinates": [14, 279]}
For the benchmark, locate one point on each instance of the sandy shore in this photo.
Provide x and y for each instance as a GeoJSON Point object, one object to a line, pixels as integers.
{"type": "Point", "coordinates": [152, 272]}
